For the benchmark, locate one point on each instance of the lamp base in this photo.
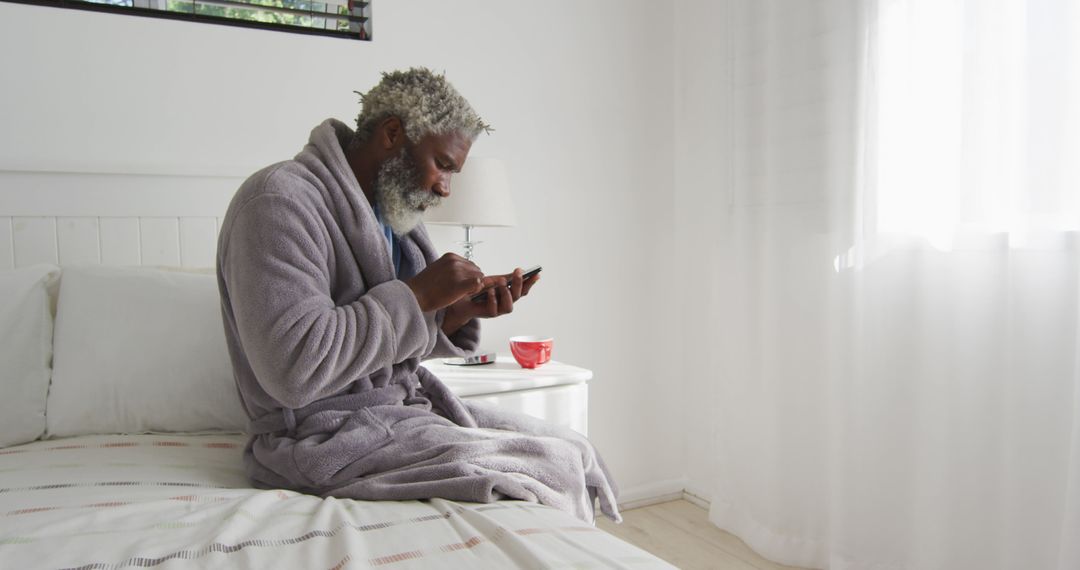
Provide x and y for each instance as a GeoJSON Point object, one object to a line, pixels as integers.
{"type": "Point", "coordinates": [468, 244]}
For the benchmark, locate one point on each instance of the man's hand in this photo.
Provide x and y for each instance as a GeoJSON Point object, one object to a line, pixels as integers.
{"type": "Point", "coordinates": [447, 280]}
{"type": "Point", "coordinates": [499, 300]}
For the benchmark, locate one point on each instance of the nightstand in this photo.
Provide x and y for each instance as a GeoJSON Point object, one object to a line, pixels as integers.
{"type": "Point", "coordinates": [556, 392]}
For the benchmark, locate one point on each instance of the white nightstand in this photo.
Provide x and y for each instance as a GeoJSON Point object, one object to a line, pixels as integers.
{"type": "Point", "coordinates": [556, 392]}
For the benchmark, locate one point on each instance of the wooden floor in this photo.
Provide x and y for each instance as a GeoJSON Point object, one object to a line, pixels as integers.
{"type": "Point", "coordinates": [680, 532]}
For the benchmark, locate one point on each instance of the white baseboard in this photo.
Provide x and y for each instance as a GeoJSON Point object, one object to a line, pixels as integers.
{"type": "Point", "coordinates": [697, 496]}
{"type": "Point", "coordinates": [651, 493]}
{"type": "Point", "coordinates": [662, 492]}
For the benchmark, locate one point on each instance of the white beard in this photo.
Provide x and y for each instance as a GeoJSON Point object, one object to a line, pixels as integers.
{"type": "Point", "coordinates": [400, 198]}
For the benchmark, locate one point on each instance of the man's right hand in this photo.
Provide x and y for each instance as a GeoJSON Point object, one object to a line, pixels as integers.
{"type": "Point", "coordinates": [446, 280]}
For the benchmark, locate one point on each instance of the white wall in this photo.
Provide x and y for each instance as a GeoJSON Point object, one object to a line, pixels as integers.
{"type": "Point", "coordinates": [580, 94]}
{"type": "Point", "coordinates": [703, 192]}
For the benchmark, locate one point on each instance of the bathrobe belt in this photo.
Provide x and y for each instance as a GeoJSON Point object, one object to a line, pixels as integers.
{"type": "Point", "coordinates": [285, 420]}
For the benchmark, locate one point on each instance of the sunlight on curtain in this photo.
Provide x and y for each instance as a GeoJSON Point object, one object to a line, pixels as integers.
{"type": "Point", "coordinates": [897, 281]}
{"type": "Point", "coordinates": [975, 120]}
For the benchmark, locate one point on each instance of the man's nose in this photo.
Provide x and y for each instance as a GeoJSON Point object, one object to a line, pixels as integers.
{"type": "Point", "coordinates": [442, 187]}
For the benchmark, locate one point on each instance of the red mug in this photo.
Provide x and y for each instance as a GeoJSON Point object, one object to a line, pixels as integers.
{"type": "Point", "coordinates": [530, 351]}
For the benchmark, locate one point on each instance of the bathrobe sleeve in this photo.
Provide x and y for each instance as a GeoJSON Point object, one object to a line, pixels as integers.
{"type": "Point", "coordinates": [465, 340]}
{"type": "Point", "coordinates": [462, 343]}
{"type": "Point", "coordinates": [300, 345]}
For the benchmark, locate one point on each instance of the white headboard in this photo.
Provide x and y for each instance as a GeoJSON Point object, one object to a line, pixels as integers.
{"type": "Point", "coordinates": [111, 219]}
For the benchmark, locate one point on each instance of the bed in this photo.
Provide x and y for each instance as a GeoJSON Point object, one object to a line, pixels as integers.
{"type": "Point", "coordinates": [143, 501]}
{"type": "Point", "coordinates": [119, 424]}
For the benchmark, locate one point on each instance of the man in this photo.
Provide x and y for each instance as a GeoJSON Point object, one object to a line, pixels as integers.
{"type": "Point", "coordinates": [331, 296]}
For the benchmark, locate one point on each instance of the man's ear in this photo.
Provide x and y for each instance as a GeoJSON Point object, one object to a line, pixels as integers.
{"type": "Point", "coordinates": [391, 133]}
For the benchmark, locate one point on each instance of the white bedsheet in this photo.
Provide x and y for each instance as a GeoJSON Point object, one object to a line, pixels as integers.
{"type": "Point", "coordinates": [156, 501]}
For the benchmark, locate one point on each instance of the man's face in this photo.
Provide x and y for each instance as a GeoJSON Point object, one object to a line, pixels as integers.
{"type": "Point", "coordinates": [418, 178]}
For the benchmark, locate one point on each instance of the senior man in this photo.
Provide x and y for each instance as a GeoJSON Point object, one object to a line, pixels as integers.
{"type": "Point", "coordinates": [332, 295]}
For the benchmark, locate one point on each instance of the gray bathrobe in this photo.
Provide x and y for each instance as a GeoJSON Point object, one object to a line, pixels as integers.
{"type": "Point", "coordinates": [326, 344]}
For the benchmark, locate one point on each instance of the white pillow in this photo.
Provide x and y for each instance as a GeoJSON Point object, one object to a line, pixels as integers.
{"type": "Point", "coordinates": [140, 350]}
{"type": "Point", "coordinates": [26, 328]}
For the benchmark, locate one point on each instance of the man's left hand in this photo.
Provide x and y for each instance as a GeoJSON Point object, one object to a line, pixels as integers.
{"type": "Point", "coordinates": [498, 300]}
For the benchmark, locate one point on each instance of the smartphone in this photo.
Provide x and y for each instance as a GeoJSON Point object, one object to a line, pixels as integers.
{"type": "Point", "coordinates": [481, 296]}
{"type": "Point", "coordinates": [486, 358]}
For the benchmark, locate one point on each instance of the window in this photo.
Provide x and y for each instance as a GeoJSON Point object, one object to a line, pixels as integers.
{"type": "Point", "coordinates": [976, 119]}
{"type": "Point", "coordinates": [348, 19]}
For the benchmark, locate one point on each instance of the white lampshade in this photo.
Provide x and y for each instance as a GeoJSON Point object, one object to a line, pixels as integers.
{"type": "Point", "coordinates": [479, 196]}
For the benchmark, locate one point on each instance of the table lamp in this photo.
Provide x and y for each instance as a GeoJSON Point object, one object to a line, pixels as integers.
{"type": "Point", "coordinates": [479, 197]}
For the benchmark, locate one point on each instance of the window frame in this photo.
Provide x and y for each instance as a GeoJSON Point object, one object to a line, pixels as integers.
{"type": "Point", "coordinates": [365, 33]}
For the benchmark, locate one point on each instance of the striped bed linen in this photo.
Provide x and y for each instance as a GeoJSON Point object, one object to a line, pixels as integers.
{"type": "Point", "coordinates": [157, 501]}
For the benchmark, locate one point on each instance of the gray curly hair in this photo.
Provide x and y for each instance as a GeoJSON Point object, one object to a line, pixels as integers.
{"type": "Point", "coordinates": [425, 102]}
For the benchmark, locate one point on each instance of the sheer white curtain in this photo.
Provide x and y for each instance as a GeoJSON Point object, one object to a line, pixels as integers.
{"type": "Point", "coordinates": [898, 278]}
